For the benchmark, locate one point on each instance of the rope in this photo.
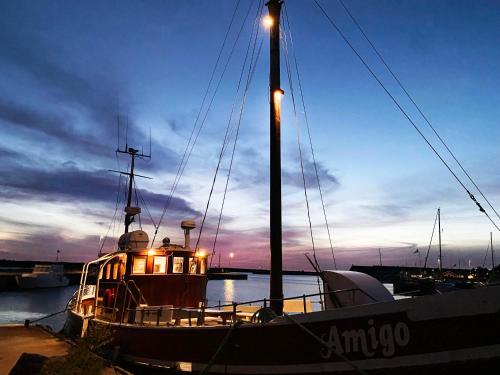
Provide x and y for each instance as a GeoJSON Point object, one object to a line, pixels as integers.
{"type": "Point", "coordinates": [27, 322]}
{"type": "Point", "coordinates": [112, 222]}
{"type": "Point", "coordinates": [138, 192]}
{"type": "Point", "coordinates": [287, 65]}
{"type": "Point", "coordinates": [416, 105]}
{"type": "Point", "coordinates": [185, 155]}
{"type": "Point", "coordinates": [251, 71]}
{"type": "Point", "coordinates": [221, 155]}
{"type": "Point", "coordinates": [430, 242]}
{"type": "Point", "coordinates": [486, 255]}
{"type": "Point", "coordinates": [339, 31]}
{"type": "Point", "coordinates": [330, 347]}
{"type": "Point", "coordinates": [219, 349]}
{"type": "Point", "coordinates": [309, 136]}
{"type": "Point", "coordinates": [137, 204]}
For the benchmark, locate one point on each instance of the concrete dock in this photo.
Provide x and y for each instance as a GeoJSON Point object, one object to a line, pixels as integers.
{"type": "Point", "coordinates": [17, 339]}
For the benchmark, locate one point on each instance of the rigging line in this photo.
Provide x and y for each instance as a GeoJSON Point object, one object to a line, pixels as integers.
{"type": "Point", "coordinates": [221, 155]}
{"type": "Point", "coordinates": [290, 82]}
{"type": "Point", "coordinates": [471, 196]}
{"type": "Point", "coordinates": [199, 113]}
{"type": "Point", "coordinates": [141, 198]}
{"type": "Point", "coordinates": [287, 65]}
{"type": "Point", "coordinates": [218, 84]}
{"type": "Point", "coordinates": [486, 255]}
{"type": "Point", "coordinates": [297, 71]}
{"type": "Point", "coordinates": [137, 203]}
{"type": "Point", "coordinates": [249, 77]}
{"type": "Point", "coordinates": [206, 113]}
{"type": "Point", "coordinates": [416, 105]}
{"type": "Point", "coordinates": [430, 242]}
{"type": "Point", "coordinates": [114, 215]}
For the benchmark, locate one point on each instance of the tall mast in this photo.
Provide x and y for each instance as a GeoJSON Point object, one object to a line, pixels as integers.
{"type": "Point", "coordinates": [439, 229]}
{"type": "Point", "coordinates": [275, 94]}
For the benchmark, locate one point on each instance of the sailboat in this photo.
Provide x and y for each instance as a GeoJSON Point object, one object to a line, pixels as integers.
{"type": "Point", "coordinates": [151, 301]}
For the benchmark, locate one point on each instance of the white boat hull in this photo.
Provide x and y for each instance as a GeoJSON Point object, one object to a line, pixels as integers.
{"type": "Point", "coordinates": [32, 281]}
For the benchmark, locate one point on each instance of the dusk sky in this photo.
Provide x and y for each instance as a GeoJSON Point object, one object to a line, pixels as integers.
{"type": "Point", "coordinates": [70, 68]}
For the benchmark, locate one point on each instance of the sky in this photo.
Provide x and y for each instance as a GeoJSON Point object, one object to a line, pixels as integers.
{"type": "Point", "coordinates": [80, 79]}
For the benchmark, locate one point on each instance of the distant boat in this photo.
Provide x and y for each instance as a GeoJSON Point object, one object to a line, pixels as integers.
{"type": "Point", "coordinates": [43, 276]}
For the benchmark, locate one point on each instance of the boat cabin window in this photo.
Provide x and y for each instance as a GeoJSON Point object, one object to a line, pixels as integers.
{"type": "Point", "coordinates": [192, 265]}
{"type": "Point", "coordinates": [160, 264]}
{"type": "Point", "coordinates": [139, 265]}
{"type": "Point", "coordinates": [203, 266]}
{"type": "Point", "coordinates": [108, 271]}
{"type": "Point", "coordinates": [178, 265]}
{"type": "Point", "coordinates": [115, 270]}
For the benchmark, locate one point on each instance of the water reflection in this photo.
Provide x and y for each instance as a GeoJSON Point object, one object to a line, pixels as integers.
{"type": "Point", "coordinates": [229, 290]}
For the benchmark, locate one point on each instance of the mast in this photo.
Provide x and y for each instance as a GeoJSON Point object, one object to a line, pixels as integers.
{"type": "Point", "coordinates": [131, 211]}
{"type": "Point", "coordinates": [439, 229]}
{"type": "Point", "coordinates": [129, 217]}
{"type": "Point", "coordinates": [275, 95]}
{"type": "Point", "coordinates": [491, 246]}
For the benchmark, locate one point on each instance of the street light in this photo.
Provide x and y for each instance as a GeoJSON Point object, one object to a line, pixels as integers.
{"type": "Point", "coordinates": [231, 256]}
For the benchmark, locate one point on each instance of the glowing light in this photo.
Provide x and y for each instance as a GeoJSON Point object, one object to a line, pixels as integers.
{"type": "Point", "coordinates": [151, 252]}
{"type": "Point", "coordinates": [278, 95]}
{"type": "Point", "coordinates": [231, 255]}
{"type": "Point", "coordinates": [201, 253]}
{"type": "Point", "coordinates": [267, 21]}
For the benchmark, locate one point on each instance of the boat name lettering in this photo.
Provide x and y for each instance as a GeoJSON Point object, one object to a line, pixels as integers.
{"type": "Point", "coordinates": [386, 337]}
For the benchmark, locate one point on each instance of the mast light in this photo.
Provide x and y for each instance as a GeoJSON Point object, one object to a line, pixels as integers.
{"type": "Point", "coordinates": [278, 95]}
{"type": "Point", "coordinates": [267, 21]}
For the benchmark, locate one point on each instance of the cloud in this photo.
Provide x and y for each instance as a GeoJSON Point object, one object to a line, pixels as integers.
{"type": "Point", "coordinates": [43, 246]}
{"type": "Point", "coordinates": [69, 183]}
{"type": "Point", "coordinates": [327, 179]}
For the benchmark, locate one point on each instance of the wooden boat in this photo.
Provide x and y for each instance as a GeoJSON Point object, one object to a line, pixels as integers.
{"type": "Point", "coordinates": [151, 304]}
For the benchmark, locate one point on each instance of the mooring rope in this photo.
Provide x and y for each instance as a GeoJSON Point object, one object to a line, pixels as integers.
{"type": "Point", "coordinates": [223, 343]}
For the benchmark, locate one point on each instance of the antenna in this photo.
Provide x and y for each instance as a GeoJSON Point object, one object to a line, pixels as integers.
{"type": "Point", "coordinates": [131, 211]}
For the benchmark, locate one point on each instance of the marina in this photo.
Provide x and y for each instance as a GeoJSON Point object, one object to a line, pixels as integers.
{"type": "Point", "coordinates": [143, 294]}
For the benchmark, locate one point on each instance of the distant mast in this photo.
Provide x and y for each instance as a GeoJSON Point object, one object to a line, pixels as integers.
{"type": "Point", "coordinates": [492, 256]}
{"type": "Point", "coordinates": [275, 95]}
{"type": "Point", "coordinates": [439, 229]}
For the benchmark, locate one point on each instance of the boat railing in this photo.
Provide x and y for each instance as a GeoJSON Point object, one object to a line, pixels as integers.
{"type": "Point", "coordinates": [333, 294]}
{"type": "Point", "coordinates": [112, 294]}
{"type": "Point", "coordinates": [134, 311]}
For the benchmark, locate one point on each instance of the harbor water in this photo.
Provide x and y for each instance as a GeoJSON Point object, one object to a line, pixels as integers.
{"type": "Point", "coordinates": [17, 306]}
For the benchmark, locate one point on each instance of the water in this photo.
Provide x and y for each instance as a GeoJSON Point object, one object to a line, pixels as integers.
{"type": "Point", "coordinates": [33, 304]}
{"type": "Point", "coordinates": [17, 306]}
{"type": "Point", "coordinates": [257, 287]}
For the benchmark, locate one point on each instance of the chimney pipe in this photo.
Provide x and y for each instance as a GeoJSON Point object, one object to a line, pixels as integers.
{"type": "Point", "coordinates": [187, 225]}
